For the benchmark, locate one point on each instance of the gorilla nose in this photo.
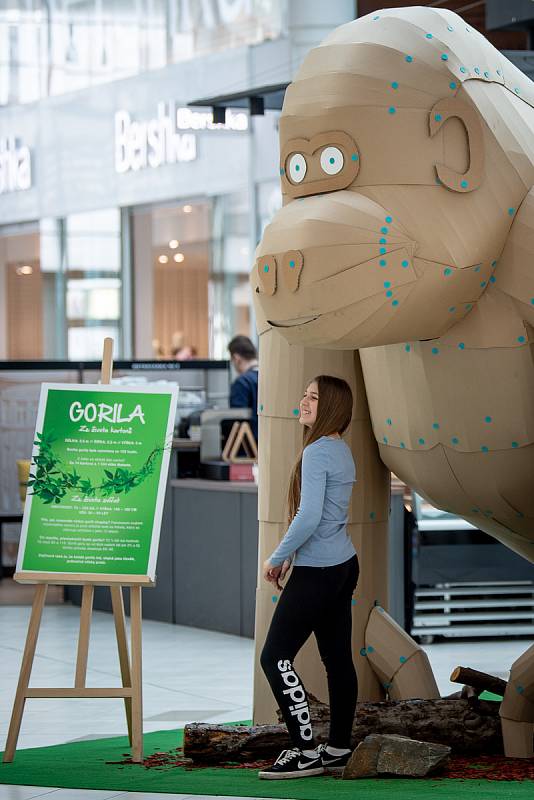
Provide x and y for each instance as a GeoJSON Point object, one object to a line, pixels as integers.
{"type": "Point", "coordinates": [286, 268]}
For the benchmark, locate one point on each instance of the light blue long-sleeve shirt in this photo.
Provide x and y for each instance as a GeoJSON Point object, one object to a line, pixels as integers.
{"type": "Point", "coordinates": [318, 533]}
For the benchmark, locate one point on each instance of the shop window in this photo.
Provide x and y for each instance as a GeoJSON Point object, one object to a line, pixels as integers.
{"type": "Point", "coordinates": [171, 247]}
{"type": "Point", "coordinates": [93, 282]}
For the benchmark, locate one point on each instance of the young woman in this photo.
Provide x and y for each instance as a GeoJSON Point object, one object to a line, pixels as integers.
{"type": "Point", "coordinates": [318, 596]}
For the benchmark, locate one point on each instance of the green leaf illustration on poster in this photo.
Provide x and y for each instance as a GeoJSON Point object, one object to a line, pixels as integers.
{"type": "Point", "coordinates": [97, 480]}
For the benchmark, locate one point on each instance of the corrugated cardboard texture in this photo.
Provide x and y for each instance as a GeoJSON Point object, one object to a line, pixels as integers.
{"type": "Point", "coordinates": [423, 263]}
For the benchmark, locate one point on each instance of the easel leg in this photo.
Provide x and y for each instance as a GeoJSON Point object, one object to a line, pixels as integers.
{"type": "Point", "coordinates": [25, 672]}
{"type": "Point", "coordinates": [137, 677]}
{"type": "Point", "coordinates": [122, 644]}
{"type": "Point", "coordinates": [83, 638]}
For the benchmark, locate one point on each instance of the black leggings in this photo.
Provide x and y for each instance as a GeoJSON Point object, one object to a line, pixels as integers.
{"type": "Point", "coordinates": [315, 600]}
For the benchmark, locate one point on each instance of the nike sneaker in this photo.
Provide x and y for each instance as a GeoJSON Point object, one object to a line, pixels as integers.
{"type": "Point", "coordinates": [293, 764]}
{"type": "Point", "coordinates": [333, 765]}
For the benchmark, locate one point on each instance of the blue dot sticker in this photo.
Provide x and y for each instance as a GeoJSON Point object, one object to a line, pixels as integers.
{"type": "Point", "coordinates": [332, 160]}
{"type": "Point", "coordinates": [464, 184]}
{"type": "Point", "coordinates": [354, 156]}
{"type": "Point", "coordinates": [520, 689]}
{"type": "Point", "coordinates": [494, 263]}
{"type": "Point", "coordinates": [384, 229]}
{"type": "Point", "coordinates": [297, 167]}
{"type": "Point", "coordinates": [428, 36]}
{"type": "Point", "coordinates": [447, 271]}
{"type": "Point", "coordinates": [296, 412]}
{"type": "Point", "coordinates": [261, 407]}
{"type": "Point", "coordinates": [487, 420]}
{"type": "Point", "coordinates": [383, 241]}
{"type": "Point", "coordinates": [452, 309]}
{"type": "Point", "coordinates": [383, 262]}
{"type": "Point", "coordinates": [435, 425]}
{"type": "Point", "coordinates": [389, 293]}
{"type": "Point", "coordinates": [353, 601]}
{"type": "Point", "coordinates": [455, 440]}
{"type": "Point", "coordinates": [292, 264]}
{"type": "Point", "coordinates": [409, 59]}
{"type": "Point", "coordinates": [363, 651]}
{"type": "Point", "coordinates": [435, 351]}
{"type": "Point", "coordinates": [477, 71]}
{"type": "Point", "coordinates": [403, 659]}
{"type": "Point", "coordinates": [437, 117]}
{"type": "Point", "coordinates": [477, 268]}
{"type": "Point", "coordinates": [463, 70]}
{"type": "Point", "coordinates": [394, 85]}
{"type": "Point", "coordinates": [461, 345]}
{"type": "Point", "coordinates": [281, 170]}
{"type": "Point", "coordinates": [404, 264]}
{"type": "Point", "coordinates": [274, 598]}
{"type": "Point", "coordinates": [492, 278]}
{"type": "Point", "coordinates": [389, 421]}
{"type": "Point", "coordinates": [372, 515]}
{"type": "Point", "coordinates": [387, 284]}
{"type": "Point", "coordinates": [385, 439]}
{"type": "Point", "coordinates": [389, 220]}
{"type": "Point", "coordinates": [521, 339]}
{"type": "Point", "coordinates": [407, 347]}
{"type": "Point", "coordinates": [511, 211]}
{"type": "Point", "coordinates": [266, 268]}
{"type": "Point", "coordinates": [421, 440]}
{"type": "Point", "coordinates": [382, 251]}
{"type": "Point", "coordinates": [515, 444]}
{"type": "Point", "coordinates": [486, 74]}
{"type": "Point", "coordinates": [450, 28]}
{"type": "Point", "coordinates": [392, 109]}
{"type": "Point", "coordinates": [402, 445]}
{"type": "Point", "coordinates": [444, 57]}
{"type": "Point", "coordinates": [482, 283]}
{"type": "Point", "coordinates": [484, 448]}
{"type": "Point", "coordinates": [394, 303]}
{"type": "Point", "coordinates": [452, 85]}
{"type": "Point", "coordinates": [386, 685]}
{"type": "Point", "coordinates": [370, 649]}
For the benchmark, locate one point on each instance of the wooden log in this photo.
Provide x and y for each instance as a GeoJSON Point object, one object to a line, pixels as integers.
{"type": "Point", "coordinates": [467, 726]}
{"type": "Point", "coordinates": [480, 681]}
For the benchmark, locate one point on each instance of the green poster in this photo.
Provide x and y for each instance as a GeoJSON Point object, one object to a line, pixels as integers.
{"type": "Point", "coordinates": [97, 480]}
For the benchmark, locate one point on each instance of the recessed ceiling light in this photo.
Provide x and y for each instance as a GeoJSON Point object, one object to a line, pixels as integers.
{"type": "Point", "coordinates": [173, 244]}
{"type": "Point", "coordinates": [163, 259]}
{"type": "Point", "coordinates": [188, 209]}
{"type": "Point", "coordinates": [25, 270]}
{"type": "Point", "coordinates": [179, 257]}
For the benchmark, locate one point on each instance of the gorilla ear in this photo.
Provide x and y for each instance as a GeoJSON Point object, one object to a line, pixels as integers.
{"type": "Point", "coordinates": [440, 113]}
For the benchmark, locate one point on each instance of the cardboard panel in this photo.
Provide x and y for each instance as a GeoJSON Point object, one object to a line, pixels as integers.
{"type": "Point", "coordinates": [370, 542]}
{"type": "Point", "coordinates": [517, 738]}
{"type": "Point", "coordinates": [414, 679]}
{"type": "Point", "coordinates": [522, 675]}
{"type": "Point", "coordinates": [515, 705]}
{"type": "Point", "coordinates": [283, 437]}
{"type": "Point", "coordinates": [388, 646]}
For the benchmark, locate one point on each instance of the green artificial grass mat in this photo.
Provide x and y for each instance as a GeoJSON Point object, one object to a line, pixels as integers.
{"type": "Point", "coordinates": [83, 765]}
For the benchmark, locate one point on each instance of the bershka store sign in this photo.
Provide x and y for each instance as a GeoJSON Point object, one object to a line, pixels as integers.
{"type": "Point", "coordinates": [166, 138]}
{"type": "Point", "coordinates": [15, 165]}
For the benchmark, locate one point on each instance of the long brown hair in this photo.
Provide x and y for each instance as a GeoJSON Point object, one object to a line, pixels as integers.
{"type": "Point", "coordinates": [334, 412]}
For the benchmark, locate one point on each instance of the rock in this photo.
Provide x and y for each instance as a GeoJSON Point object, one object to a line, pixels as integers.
{"type": "Point", "coordinates": [383, 754]}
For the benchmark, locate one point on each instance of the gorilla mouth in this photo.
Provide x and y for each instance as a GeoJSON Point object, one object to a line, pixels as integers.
{"type": "Point", "coordinates": [292, 323]}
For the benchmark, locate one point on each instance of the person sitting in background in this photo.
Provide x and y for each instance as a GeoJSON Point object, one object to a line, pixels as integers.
{"type": "Point", "coordinates": [244, 390]}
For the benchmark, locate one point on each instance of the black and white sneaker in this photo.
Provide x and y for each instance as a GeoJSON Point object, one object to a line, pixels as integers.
{"type": "Point", "coordinates": [293, 764]}
{"type": "Point", "coordinates": [333, 765]}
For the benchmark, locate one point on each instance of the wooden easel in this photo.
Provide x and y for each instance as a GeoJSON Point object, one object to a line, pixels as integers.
{"type": "Point", "coordinates": [131, 672]}
{"type": "Point", "coordinates": [240, 436]}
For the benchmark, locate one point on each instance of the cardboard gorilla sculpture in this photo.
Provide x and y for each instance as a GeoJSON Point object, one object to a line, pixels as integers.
{"type": "Point", "coordinates": [402, 261]}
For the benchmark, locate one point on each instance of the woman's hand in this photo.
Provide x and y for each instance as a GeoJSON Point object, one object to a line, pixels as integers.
{"type": "Point", "coordinates": [276, 574]}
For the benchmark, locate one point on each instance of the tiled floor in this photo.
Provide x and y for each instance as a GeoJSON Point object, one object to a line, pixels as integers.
{"type": "Point", "coordinates": [188, 675]}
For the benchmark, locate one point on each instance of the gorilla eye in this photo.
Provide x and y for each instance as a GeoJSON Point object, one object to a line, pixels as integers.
{"type": "Point", "coordinates": [297, 167]}
{"type": "Point", "coordinates": [332, 160]}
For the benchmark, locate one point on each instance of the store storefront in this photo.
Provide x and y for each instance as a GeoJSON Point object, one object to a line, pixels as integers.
{"type": "Point", "coordinates": [134, 217]}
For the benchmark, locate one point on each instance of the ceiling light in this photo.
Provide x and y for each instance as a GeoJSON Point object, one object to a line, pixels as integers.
{"type": "Point", "coordinates": [25, 270]}
{"type": "Point", "coordinates": [179, 257]}
{"type": "Point", "coordinates": [188, 209]}
{"type": "Point", "coordinates": [173, 244]}
{"type": "Point", "coordinates": [163, 259]}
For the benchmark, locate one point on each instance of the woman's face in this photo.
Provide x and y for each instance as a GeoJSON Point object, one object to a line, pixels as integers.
{"type": "Point", "coordinates": [308, 405]}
